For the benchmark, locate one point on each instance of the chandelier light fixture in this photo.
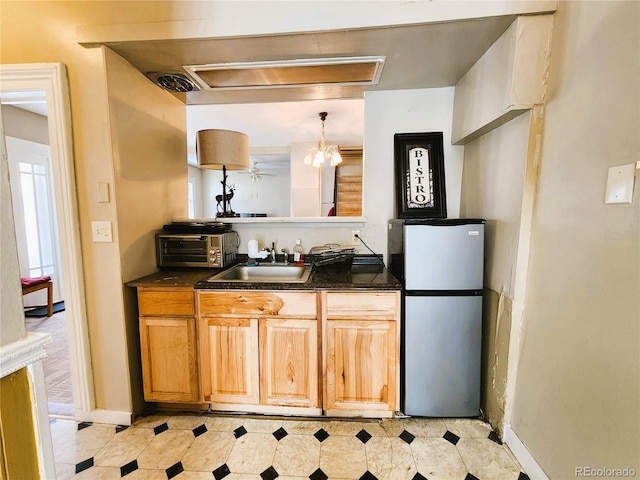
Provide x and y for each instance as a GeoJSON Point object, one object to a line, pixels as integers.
{"type": "Point", "coordinates": [317, 156]}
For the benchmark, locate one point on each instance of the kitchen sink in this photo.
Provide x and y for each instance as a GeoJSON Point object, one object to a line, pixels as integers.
{"type": "Point", "coordinates": [264, 273]}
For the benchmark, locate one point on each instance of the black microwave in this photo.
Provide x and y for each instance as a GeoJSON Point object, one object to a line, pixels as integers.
{"type": "Point", "coordinates": [217, 250]}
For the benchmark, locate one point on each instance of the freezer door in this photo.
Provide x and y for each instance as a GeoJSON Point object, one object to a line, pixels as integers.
{"type": "Point", "coordinates": [442, 344]}
{"type": "Point", "coordinates": [444, 257]}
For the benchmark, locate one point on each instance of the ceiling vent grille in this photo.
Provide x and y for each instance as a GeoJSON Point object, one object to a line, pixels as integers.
{"type": "Point", "coordinates": [173, 82]}
{"type": "Point", "coordinates": [289, 73]}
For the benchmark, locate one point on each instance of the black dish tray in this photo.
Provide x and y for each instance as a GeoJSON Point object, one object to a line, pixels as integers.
{"type": "Point", "coordinates": [330, 254]}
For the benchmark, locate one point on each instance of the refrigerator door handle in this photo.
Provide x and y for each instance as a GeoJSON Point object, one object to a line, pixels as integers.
{"type": "Point", "coordinates": [443, 293]}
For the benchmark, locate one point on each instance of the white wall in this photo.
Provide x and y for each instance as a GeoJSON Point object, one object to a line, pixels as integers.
{"type": "Point", "coordinates": [494, 169]}
{"type": "Point", "coordinates": [577, 398]}
{"type": "Point", "coordinates": [492, 188]}
{"type": "Point", "coordinates": [406, 111]}
{"type": "Point", "coordinates": [148, 187]}
{"type": "Point", "coordinates": [12, 325]}
{"type": "Point", "coordinates": [217, 18]}
{"type": "Point", "coordinates": [306, 183]}
{"type": "Point", "coordinates": [20, 123]}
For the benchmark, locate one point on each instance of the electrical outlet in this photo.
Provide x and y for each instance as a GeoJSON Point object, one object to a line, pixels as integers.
{"type": "Point", "coordinates": [354, 239]}
{"type": "Point", "coordinates": [101, 232]}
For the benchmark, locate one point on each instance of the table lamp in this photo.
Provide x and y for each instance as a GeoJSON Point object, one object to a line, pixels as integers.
{"type": "Point", "coordinates": [223, 150]}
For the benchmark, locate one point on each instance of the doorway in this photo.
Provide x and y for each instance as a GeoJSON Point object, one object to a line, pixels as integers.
{"type": "Point", "coordinates": [51, 83]}
{"type": "Point", "coordinates": [39, 248]}
{"type": "Point", "coordinates": [34, 211]}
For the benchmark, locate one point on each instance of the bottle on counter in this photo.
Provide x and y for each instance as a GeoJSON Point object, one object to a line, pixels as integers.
{"type": "Point", "coordinates": [298, 253]}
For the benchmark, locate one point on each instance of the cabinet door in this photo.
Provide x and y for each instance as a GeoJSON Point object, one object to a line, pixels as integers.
{"type": "Point", "coordinates": [169, 359]}
{"type": "Point", "coordinates": [229, 350]}
{"type": "Point", "coordinates": [289, 362]}
{"type": "Point", "coordinates": [361, 371]}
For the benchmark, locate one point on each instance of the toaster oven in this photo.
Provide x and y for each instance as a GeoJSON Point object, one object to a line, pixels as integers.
{"type": "Point", "coordinates": [217, 250]}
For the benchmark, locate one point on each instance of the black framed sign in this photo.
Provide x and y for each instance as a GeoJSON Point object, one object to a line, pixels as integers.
{"type": "Point", "coordinates": [419, 172]}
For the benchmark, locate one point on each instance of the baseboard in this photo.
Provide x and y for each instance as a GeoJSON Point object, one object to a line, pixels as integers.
{"type": "Point", "coordinates": [527, 462]}
{"type": "Point", "coordinates": [111, 417]}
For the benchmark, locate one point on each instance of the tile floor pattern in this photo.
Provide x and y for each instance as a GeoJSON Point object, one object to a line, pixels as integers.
{"type": "Point", "coordinates": [211, 446]}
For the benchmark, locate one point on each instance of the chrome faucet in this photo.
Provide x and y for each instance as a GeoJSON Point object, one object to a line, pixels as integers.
{"type": "Point", "coordinates": [285, 252]}
{"type": "Point", "coordinates": [273, 252]}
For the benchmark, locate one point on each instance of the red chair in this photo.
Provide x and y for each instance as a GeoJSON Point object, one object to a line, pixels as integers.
{"type": "Point", "coordinates": [30, 285]}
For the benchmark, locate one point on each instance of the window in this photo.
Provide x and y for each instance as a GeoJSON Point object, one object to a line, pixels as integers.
{"type": "Point", "coordinates": [37, 218]}
{"type": "Point", "coordinates": [194, 192]}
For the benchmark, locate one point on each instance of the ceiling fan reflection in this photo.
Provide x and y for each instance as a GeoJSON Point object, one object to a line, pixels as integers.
{"type": "Point", "coordinates": [256, 173]}
{"type": "Point", "coordinates": [256, 176]}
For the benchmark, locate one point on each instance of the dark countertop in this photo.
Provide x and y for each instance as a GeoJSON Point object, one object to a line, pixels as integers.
{"type": "Point", "coordinates": [173, 278]}
{"type": "Point", "coordinates": [340, 277]}
{"type": "Point", "coordinates": [337, 276]}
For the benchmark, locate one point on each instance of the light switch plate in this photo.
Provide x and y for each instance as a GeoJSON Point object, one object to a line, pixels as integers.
{"type": "Point", "coordinates": [103, 192]}
{"type": "Point", "coordinates": [620, 184]}
{"type": "Point", "coordinates": [101, 232]}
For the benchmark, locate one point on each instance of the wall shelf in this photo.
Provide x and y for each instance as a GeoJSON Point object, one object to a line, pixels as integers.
{"type": "Point", "coordinates": [314, 221]}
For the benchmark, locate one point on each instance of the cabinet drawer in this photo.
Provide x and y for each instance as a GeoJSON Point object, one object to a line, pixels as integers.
{"type": "Point", "coordinates": [258, 302]}
{"type": "Point", "coordinates": [354, 305]}
{"type": "Point", "coordinates": [164, 302]}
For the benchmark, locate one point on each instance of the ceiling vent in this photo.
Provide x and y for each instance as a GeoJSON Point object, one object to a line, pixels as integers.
{"type": "Point", "coordinates": [290, 73]}
{"type": "Point", "coordinates": [173, 82]}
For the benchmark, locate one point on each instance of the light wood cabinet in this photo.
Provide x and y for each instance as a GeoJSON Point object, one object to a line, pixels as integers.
{"type": "Point", "coordinates": [229, 361]}
{"type": "Point", "coordinates": [289, 362]}
{"type": "Point", "coordinates": [289, 352]}
{"type": "Point", "coordinates": [361, 351]}
{"type": "Point", "coordinates": [168, 344]}
{"type": "Point", "coordinates": [259, 347]}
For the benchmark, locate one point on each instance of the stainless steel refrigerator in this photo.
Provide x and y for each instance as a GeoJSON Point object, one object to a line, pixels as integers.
{"type": "Point", "coordinates": [440, 262]}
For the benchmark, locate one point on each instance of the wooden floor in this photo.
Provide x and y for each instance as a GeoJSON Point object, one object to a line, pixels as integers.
{"type": "Point", "coordinates": [57, 370]}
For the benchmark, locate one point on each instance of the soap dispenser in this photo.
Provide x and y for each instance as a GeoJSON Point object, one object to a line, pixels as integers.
{"type": "Point", "coordinates": [298, 253]}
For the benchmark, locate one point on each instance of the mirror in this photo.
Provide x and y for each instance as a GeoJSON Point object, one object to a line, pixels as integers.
{"type": "Point", "coordinates": [280, 134]}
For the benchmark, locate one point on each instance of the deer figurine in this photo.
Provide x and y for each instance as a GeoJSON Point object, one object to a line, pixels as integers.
{"type": "Point", "coordinates": [223, 200]}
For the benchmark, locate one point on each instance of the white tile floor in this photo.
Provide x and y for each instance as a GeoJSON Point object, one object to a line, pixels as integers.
{"type": "Point", "coordinates": [211, 446]}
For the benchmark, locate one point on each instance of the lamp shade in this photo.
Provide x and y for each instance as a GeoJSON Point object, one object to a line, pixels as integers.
{"type": "Point", "coordinates": [216, 148]}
